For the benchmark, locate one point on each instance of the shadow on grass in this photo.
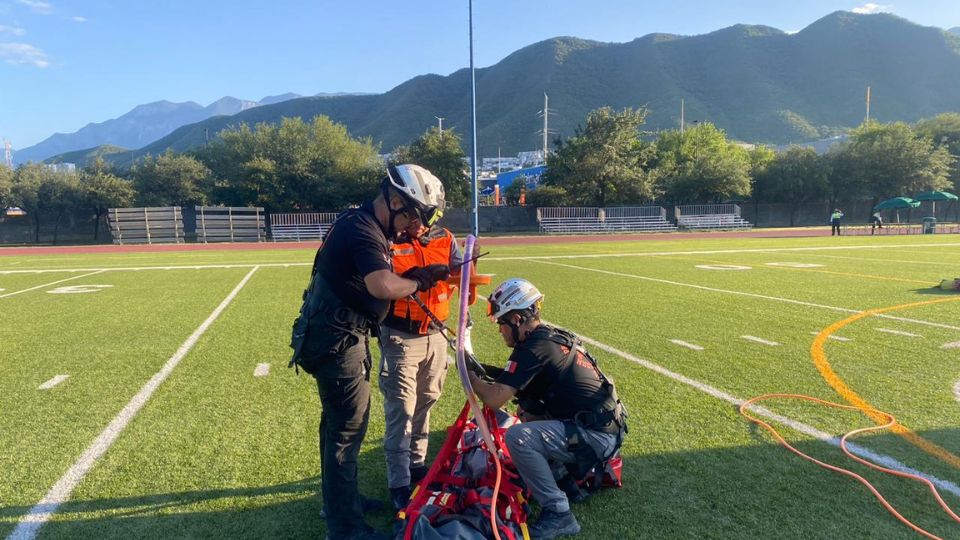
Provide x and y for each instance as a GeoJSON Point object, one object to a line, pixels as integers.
{"type": "Point", "coordinates": [755, 491]}
{"type": "Point", "coordinates": [935, 291]}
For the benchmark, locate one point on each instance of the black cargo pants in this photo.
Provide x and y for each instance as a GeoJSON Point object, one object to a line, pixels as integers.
{"type": "Point", "coordinates": [344, 385]}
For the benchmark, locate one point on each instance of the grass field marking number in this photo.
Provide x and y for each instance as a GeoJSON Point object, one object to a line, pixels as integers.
{"type": "Point", "coordinates": [262, 370]}
{"type": "Point", "coordinates": [78, 289]}
{"type": "Point", "coordinates": [53, 382]}
{"type": "Point", "coordinates": [747, 294]}
{"type": "Point", "coordinates": [686, 344]}
{"type": "Point", "coordinates": [795, 265]}
{"type": "Point", "coordinates": [820, 360]}
{"type": "Point", "coordinates": [722, 267]}
{"type": "Point", "coordinates": [861, 451]}
{"type": "Point", "coordinates": [761, 341]}
{"type": "Point", "coordinates": [30, 524]}
{"type": "Point", "coordinates": [898, 332]}
{"type": "Point", "coordinates": [49, 284]}
{"type": "Point", "coordinates": [952, 345]}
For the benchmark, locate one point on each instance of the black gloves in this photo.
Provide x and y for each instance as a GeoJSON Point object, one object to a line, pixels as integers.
{"type": "Point", "coordinates": [427, 276]}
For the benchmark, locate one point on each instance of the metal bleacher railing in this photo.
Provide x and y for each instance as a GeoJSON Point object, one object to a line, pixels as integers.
{"type": "Point", "coordinates": [567, 220]}
{"type": "Point", "coordinates": [710, 216]}
{"type": "Point", "coordinates": [230, 224]}
{"type": "Point", "coordinates": [149, 225]}
{"type": "Point", "coordinates": [297, 227]}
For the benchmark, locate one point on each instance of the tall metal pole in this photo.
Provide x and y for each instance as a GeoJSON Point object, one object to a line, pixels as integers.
{"type": "Point", "coordinates": [473, 128]}
{"type": "Point", "coordinates": [546, 119]}
{"type": "Point", "coordinates": [868, 104]}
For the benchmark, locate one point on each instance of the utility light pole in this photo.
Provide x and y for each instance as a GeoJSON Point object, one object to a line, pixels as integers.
{"type": "Point", "coordinates": [439, 123]}
{"type": "Point", "coordinates": [473, 128]}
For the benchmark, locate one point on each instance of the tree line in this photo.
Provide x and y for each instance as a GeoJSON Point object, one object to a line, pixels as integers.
{"type": "Point", "coordinates": [304, 166]}
{"type": "Point", "coordinates": [611, 161]}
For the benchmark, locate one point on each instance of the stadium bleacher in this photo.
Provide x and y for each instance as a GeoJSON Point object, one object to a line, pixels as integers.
{"type": "Point", "coordinates": [299, 227]}
{"type": "Point", "coordinates": [570, 220]}
{"type": "Point", "coordinates": [711, 216]}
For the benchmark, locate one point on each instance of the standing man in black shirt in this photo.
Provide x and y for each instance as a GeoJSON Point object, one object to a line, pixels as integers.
{"type": "Point", "coordinates": [350, 290]}
{"type": "Point", "coordinates": [569, 408]}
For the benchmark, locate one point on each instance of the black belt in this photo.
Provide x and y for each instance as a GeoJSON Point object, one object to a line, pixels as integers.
{"type": "Point", "coordinates": [409, 326]}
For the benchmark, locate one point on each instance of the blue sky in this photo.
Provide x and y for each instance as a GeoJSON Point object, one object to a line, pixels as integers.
{"type": "Point", "coordinates": [65, 63]}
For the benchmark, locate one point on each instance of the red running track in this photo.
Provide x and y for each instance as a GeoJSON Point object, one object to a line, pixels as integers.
{"type": "Point", "coordinates": [490, 241]}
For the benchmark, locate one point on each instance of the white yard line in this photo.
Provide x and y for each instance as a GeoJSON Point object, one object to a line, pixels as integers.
{"type": "Point", "coordinates": [140, 268]}
{"type": "Point", "coordinates": [953, 345]}
{"type": "Point", "coordinates": [53, 382]}
{"type": "Point", "coordinates": [761, 341]}
{"type": "Point", "coordinates": [262, 370]}
{"type": "Point", "coordinates": [48, 284]}
{"type": "Point", "coordinates": [831, 336]}
{"type": "Point", "coordinates": [30, 524]}
{"type": "Point", "coordinates": [897, 332]}
{"type": "Point", "coordinates": [686, 344]}
{"type": "Point", "coordinates": [863, 260]}
{"type": "Point", "coordinates": [750, 295]}
{"type": "Point", "coordinates": [882, 459]}
{"type": "Point", "coordinates": [712, 252]}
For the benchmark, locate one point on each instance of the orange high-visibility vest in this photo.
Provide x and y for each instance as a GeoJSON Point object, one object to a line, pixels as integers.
{"type": "Point", "coordinates": [437, 299]}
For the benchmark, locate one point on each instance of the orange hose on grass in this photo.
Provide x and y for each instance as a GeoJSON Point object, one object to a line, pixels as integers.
{"type": "Point", "coordinates": [889, 422]}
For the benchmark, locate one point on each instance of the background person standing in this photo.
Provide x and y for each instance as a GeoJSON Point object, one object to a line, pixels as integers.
{"type": "Point", "coordinates": [350, 289]}
{"type": "Point", "coordinates": [413, 364]}
{"type": "Point", "coordinates": [835, 222]}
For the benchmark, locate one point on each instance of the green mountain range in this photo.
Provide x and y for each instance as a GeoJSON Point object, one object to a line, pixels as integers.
{"type": "Point", "coordinates": [758, 83]}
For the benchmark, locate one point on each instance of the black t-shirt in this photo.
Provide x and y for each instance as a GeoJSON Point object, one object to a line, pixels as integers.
{"type": "Point", "coordinates": [545, 374]}
{"type": "Point", "coordinates": [355, 247]}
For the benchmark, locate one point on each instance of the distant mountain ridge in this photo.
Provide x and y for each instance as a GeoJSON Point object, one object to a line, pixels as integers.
{"type": "Point", "coordinates": [758, 83]}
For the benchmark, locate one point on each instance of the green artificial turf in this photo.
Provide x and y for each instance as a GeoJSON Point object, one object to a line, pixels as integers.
{"type": "Point", "coordinates": [217, 452]}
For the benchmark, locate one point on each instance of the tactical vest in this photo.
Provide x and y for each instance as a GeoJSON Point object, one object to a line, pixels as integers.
{"type": "Point", "coordinates": [326, 321]}
{"type": "Point", "coordinates": [405, 314]}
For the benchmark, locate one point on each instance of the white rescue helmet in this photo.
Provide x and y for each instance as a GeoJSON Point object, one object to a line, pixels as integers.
{"type": "Point", "coordinates": [512, 295]}
{"type": "Point", "coordinates": [420, 188]}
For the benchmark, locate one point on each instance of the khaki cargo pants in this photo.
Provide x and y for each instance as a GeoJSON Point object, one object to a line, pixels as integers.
{"type": "Point", "coordinates": [412, 371]}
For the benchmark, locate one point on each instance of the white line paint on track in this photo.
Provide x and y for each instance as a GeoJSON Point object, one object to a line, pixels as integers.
{"type": "Point", "coordinates": [686, 344]}
{"type": "Point", "coordinates": [897, 332]}
{"type": "Point", "coordinates": [142, 268]}
{"type": "Point", "coordinates": [866, 453]}
{"type": "Point", "coordinates": [761, 341]}
{"type": "Point", "coordinates": [750, 295]}
{"type": "Point", "coordinates": [30, 524]}
{"type": "Point", "coordinates": [53, 382]}
{"type": "Point", "coordinates": [48, 284]}
{"type": "Point", "coordinates": [833, 337]}
{"type": "Point", "coordinates": [262, 370]}
{"type": "Point", "coordinates": [954, 345]}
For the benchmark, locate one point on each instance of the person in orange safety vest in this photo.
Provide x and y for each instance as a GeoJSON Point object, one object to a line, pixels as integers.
{"type": "Point", "coordinates": [413, 363]}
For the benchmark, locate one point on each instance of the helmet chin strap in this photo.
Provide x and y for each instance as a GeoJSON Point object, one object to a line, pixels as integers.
{"type": "Point", "coordinates": [391, 228]}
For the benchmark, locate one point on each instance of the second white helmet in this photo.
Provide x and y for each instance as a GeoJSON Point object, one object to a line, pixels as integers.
{"type": "Point", "coordinates": [511, 295]}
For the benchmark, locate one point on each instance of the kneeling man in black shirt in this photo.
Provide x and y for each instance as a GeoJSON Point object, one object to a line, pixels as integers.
{"type": "Point", "coordinates": [569, 408]}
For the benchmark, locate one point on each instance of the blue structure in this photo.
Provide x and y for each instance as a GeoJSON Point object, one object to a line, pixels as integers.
{"type": "Point", "coordinates": [505, 180]}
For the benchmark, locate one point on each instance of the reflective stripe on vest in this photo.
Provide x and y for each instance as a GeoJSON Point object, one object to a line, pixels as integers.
{"type": "Point", "coordinates": [437, 299]}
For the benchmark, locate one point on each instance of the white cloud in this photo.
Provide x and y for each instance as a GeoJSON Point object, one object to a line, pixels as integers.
{"type": "Point", "coordinates": [865, 9]}
{"type": "Point", "coordinates": [23, 53]}
{"type": "Point", "coordinates": [15, 30]}
{"type": "Point", "coordinates": [79, 19]}
{"type": "Point", "coordinates": [38, 6]}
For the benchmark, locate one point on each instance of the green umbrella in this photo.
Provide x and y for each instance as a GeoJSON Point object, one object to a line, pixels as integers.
{"type": "Point", "coordinates": [935, 196]}
{"type": "Point", "coordinates": [897, 203]}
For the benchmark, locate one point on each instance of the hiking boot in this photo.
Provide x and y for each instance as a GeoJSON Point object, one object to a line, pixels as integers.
{"type": "Point", "coordinates": [366, 532]}
{"type": "Point", "coordinates": [400, 497]}
{"type": "Point", "coordinates": [367, 505]}
{"type": "Point", "coordinates": [418, 473]}
{"type": "Point", "coordinates": [552, 524]}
